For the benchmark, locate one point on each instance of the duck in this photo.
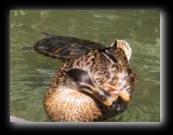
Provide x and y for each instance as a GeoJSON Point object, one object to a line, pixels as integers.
{"type": "Point", "coordinates": [95, 82]}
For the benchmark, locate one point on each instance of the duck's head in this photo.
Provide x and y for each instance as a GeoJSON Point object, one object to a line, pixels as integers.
{"type": "Point", "coordinates": [81, 80]}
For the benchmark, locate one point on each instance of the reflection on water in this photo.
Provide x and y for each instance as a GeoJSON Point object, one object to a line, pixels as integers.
{"type": "Point", "coordinates": [31, 73]}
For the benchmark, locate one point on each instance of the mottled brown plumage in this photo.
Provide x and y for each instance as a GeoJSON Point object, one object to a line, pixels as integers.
{"type": "Point", "coordinates": [93, 86]}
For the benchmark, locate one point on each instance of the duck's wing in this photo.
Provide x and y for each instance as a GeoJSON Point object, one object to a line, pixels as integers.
{"type": "Point", "coordinates": [65, 48]}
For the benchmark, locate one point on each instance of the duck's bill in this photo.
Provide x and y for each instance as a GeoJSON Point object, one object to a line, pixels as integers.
{"type": "Point", "coordinates": [107, 98]}
{"type": "Point", "coordinates": [123, 96]}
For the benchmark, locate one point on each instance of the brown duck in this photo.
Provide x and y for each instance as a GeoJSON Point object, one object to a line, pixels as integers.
{"type": "Point", "coordinates": [94, 84]}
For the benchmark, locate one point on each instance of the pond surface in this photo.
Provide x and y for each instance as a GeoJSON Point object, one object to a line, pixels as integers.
{"type": "Point", "coordinates": [31, 73]}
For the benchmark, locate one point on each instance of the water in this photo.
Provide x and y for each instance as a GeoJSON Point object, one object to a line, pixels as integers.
{"type": "Point", "coordinates": [31, 73]}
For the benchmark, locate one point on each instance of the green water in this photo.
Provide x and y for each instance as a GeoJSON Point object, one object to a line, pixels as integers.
{"type": "Point", "coordinates": [31, 73]}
